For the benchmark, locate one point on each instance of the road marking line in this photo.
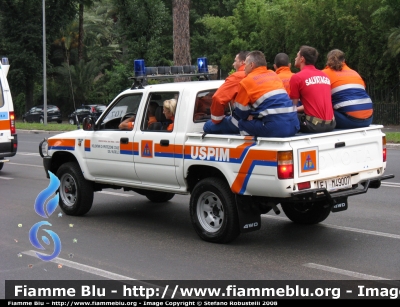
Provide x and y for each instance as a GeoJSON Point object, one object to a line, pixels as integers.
{"type": "Point", "coordinates": [83, 267]}
{"type": "Point", "coordinates": [41, 166]}
{"type": "Point", "coordinates": [343, 272]}
{"type": "Point", "coordinates": [391, 184]}
{"type": "Point", "coordinates": [6, 178]}
{"type": "Point", "coordinates": [368, 232]}
{"type": "Point", "coordinates": [116, 194]}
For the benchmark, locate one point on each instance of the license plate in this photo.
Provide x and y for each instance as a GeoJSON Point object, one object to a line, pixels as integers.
{"type": "Point", "coordinates": [337, 183]}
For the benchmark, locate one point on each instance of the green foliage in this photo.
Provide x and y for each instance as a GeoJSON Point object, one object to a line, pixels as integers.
{"type": "Point", "coordinates": [142, 26]}
{"type": "Point", "coordinates": [22, 32]}
{"type": "Point", "coordinates": [116, 80]}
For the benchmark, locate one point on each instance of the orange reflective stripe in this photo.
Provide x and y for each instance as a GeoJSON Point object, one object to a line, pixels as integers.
{"type": "Point", "coordinates": [4, 124]}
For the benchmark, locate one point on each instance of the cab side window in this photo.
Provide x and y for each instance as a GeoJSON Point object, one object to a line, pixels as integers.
{"type": "Point", "coordinates": [159, 113]}
{"type": "Point", "coordinates": [125, 106]}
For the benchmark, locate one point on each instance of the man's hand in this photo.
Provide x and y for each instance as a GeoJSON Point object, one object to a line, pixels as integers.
{"type": "Point", "coordinates": [250, 117]}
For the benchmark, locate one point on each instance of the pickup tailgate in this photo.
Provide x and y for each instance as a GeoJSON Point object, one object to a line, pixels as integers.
{"type": "Point", "coordinates": [339, 159]}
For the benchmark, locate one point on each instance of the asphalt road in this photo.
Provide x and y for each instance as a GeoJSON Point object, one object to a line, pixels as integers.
{"type": "Point", "coordinates": [126, 236]}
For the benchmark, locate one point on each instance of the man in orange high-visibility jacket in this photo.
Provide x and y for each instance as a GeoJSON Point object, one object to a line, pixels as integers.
{"type": "Point", "coordinates": [282, 68]}
{"type": "Point", "coordinates": [219, 124]}
{"type": "Point", "coordinates": [351, 103]}
{"type": "Point", "coordinates": [262, 106]}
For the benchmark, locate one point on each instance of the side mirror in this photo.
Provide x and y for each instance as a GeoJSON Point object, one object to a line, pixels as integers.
{"type": "Point", "coordinates": [88, 123]}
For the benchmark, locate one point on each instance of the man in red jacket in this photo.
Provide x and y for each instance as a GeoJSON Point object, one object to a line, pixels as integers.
{"type": "Point", "coordinates": [219, 124]}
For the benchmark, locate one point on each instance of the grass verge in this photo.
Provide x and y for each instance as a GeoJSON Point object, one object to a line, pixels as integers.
{"type": "Point", "coordinates": [392, 137]}
{"type": "Point", "coordinates": [48, 127]}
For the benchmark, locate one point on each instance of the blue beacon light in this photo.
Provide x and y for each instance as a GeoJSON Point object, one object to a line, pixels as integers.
{"type": "Point", "coordinates": [202, 65]}
{"type": "Point", "coordinates": [139, 68]}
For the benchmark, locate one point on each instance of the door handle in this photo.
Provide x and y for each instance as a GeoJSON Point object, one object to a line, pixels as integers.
{"type": "Point", "coordinates": [164, 142]}
{"type": "Point", "coordinates": [124, 140]}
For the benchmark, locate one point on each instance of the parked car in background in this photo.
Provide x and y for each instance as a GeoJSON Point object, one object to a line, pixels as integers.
{"type": "Point", "coordinates": [94, 110]}
{"type": "Point", "coordinates": [36, 114]}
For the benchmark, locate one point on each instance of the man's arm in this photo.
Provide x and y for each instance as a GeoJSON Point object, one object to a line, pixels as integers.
{"type": "Point", "coordinates": [226, 93]}
{"type": "Point", "coordinates": [127, 124]}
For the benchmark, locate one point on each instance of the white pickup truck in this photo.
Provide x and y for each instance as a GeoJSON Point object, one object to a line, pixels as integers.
{"type": "Point", "coordinates": [231, 179]}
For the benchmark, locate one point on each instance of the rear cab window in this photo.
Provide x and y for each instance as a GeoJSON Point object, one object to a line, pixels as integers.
{"type": "Point", "coordinates": [202, 107]}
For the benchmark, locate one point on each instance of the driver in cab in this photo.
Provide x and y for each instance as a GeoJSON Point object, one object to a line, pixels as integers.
{"type": "Point", "coordinates": [129, 123]}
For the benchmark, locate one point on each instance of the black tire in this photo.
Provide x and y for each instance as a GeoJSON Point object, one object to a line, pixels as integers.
{"type": "Point", "coordinates": [159, 197]}
{"type": "Point", "coordinates": [76, 193]}
{"type": "Point", "coordinates": [306, 214]}
{"type": "Point", "coordinates": [213, 211]}
{"type": "Point", "coordinates": [59, 121]}
{"type": "Point", "coordinates": [24, 120]}
{"type": "Point", "coordinates": [1, 165]}
{"type": "Point", "coordinates": [41, 120]}
{"type": "Point", "coordinates": [71, 121]}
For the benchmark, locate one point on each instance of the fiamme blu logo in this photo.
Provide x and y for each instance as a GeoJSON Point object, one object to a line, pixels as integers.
{"type": "Point", "coordinates": [45, 205]}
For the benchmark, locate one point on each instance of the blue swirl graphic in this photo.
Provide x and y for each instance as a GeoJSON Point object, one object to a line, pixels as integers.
{"type": "Point", "coordinates": [45, 194]}
{"type": "Point", "coordinates": [35, 242]}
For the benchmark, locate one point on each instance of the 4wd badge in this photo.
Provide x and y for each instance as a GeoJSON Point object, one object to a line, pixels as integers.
{"type": "Point", "coordinates": [308, 161]}
{"type": "Point", "coordinates": [147, 149]}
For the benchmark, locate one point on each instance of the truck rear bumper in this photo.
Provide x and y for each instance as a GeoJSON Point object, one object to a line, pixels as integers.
{"type": "Point", "coordinates": [9, 149]}
{"type": "Point", "coordinates": [334, 197]}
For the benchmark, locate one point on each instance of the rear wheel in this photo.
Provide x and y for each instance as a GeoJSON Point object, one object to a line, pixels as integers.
{"type": "Point", "coordinates": [71, 121]}
{"type": "Point", "coordinates": [59, 121]}
{"type": "Point", "coordinates": [24, 120]}
{"type": "Point", "coordinates": [76, 193]}
{"type": "Point", "coordinates": [41, 120]}
{"type": "Point", "coordinates": [308, 214]}
{"type": "Point", "coordinates": [213, 211]}
{"type": "Point", "coordinates": [159, 197]}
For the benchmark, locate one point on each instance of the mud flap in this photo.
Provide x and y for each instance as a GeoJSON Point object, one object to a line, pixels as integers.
{"type": "Point", "coordinates": [340, 204]}
{"type": "Point", "coordinates": [249, 214]}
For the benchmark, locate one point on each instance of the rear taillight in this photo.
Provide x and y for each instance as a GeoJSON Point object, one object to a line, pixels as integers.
{"type": "Point", "coordinates": [384, 148]}
{"type": "Point", "coordinates": [285, 164]}
{"type": "Point", "coordinates": [12, 122]}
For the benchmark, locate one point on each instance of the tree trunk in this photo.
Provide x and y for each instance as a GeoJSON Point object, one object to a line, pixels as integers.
{"type": "Point", "coordinates": [80, 39]}
{"type": "Point", "coordinates": [181, 34]}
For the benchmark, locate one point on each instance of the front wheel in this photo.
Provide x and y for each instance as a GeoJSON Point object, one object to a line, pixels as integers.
{"type": "Point", "coordinates": [213, 211]}
{"type": "Point", "coordinates": [308, 214]}
{"type": "Point", "coordinates": [1, 165]}
{"type": "Point", "coordinates": [76, 193]}
{"type": "Point", "coordinates": [41, 120]}
{"type": "Point", "coordinates": [159, 197]}
{"type": "Point", "coordinates": [71, 121]}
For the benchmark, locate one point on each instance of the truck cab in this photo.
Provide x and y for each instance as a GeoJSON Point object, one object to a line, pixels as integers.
{"type": "Point", "coordinates": [8, 135]}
